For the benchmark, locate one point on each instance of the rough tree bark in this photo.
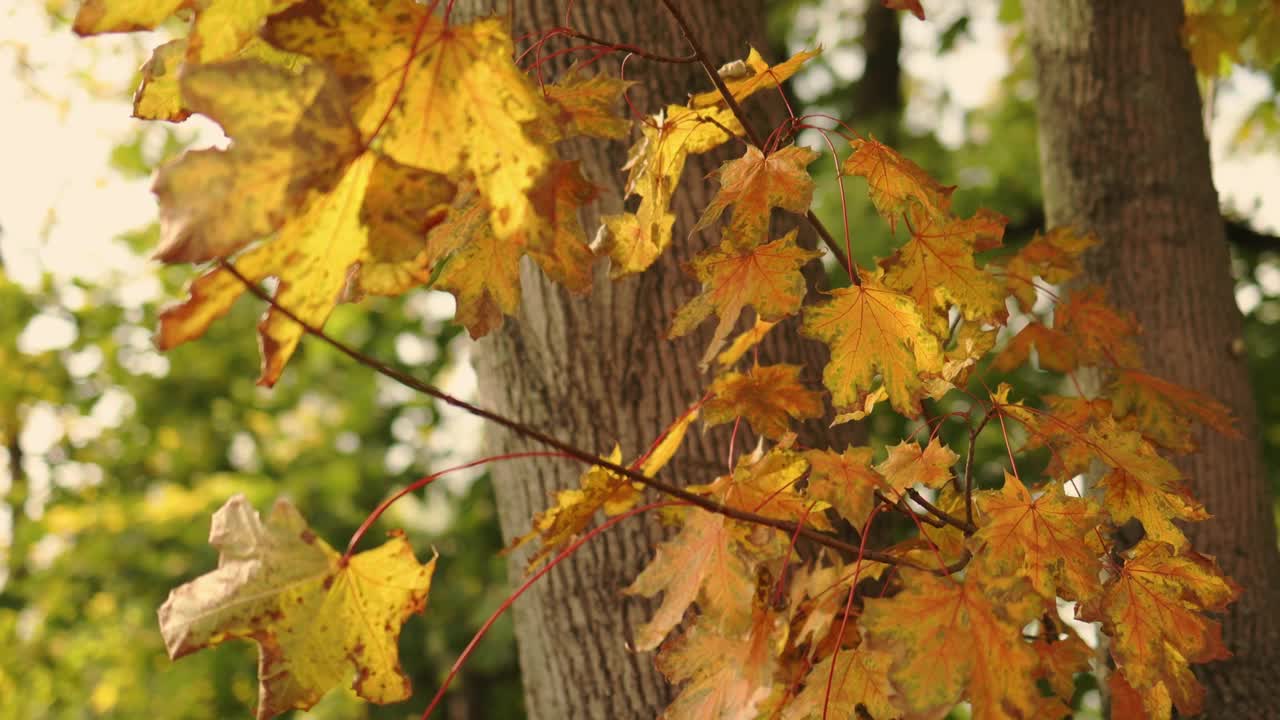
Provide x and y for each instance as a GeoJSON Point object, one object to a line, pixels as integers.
{"type": "Point", "coordinates": [598, 370]}
{"type": "Point", "coordinates": [1124, 154]}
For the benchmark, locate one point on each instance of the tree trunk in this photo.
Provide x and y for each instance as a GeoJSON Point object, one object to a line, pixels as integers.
{"type": "Point", "coordinates": [599, 370]}
{"type": "Point", "coordinates": [1124, 154]}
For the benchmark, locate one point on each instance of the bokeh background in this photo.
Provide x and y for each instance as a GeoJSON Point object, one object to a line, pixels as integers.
{"type": "Point", "coordinates": [113, 455]}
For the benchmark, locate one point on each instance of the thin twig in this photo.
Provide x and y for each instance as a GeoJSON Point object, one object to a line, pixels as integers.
{"type": "Point", "coordinates": [576, 453]}
{"type": "Point", "coordinates": [968, 464]}
{"type": "Point", "coordinates": [901, 507]}
{"type": "Point", "coordinates": [751, 133]}
{"type": "Point", "coordinates": [968, 528]}
{"type": "Point", "coordinates": [633, 49]}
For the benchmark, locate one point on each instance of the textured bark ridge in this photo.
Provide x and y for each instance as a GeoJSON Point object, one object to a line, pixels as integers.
{"type": "Point", "coordinates": [598, 370]}
{"type": "Point", "coordinates": [1124, 154]}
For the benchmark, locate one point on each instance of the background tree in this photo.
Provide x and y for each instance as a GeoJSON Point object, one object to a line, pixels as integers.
{"type": "Point", "coordinates": [1124, 154]}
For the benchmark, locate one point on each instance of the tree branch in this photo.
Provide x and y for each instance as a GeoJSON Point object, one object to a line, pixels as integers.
{"type": "Point", "coordinates": [754, 136]}
{"type": "Point", "coordinates": [576, 453]}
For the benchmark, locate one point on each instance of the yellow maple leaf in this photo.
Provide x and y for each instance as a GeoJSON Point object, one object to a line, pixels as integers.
{"type": "Point", "coordinates": [745, 78]}
{"type": "Point", "coordinates": [1162, 411]}
{"type": "Point", "coordinates": [599, 490]}
{"type": "Point", "coordinates": [870, 328]}
{"type": "Point", "coordinates": [745, 341]}
{"type": "Point", "coordinates": [656, 162]}
{"type": "Point", "coordinates": [294, 180]}
{"type": "Point", "coordinates": [444, 97]}
{"type": "Point", "coordinates": [314, 616]}
{"type": "Point", "coordinates": [896, 184]}
{"type": "Point", "coordinates": [766, 277]}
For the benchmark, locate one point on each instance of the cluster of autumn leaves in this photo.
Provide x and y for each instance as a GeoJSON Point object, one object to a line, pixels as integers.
{"type": "Point", "coordinates": [377, 147]}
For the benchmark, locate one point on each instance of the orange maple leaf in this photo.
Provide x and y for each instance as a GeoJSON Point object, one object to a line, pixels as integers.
{"type": "Point", "coordinates": [769, 397]}
{"type": "Point", "coordinates": [754, 184]}
{"type": "Point", "coordinates": [1162, 410]}
{"type": "Point", "coordinates": [845, 480]}
{"type": "Point", "coordinates": [953, 640]}
{"type": "Point", "coordinates": [727, 675]}
{"type": "Point", "coordinates": [1054, 256]}
{"type": "Point", "coordinates": [908, 465]}
{"type": "Point", "coordinates": [896, 183]}
{"type": "Point", "coordinates": [870, 328]}
{"type": "Point", "coordinates": [1153, 611]}
{"type": "Point", "coordinates": [860, 680]}
{"type": "Point", "coordinates": [767, 277]}
{"type": "Point", "coordinates": [587, 105]}
{"type": "Point", "coordinates": [1037, 538]}
{"type": "Point", "coordinates": [704, 560]}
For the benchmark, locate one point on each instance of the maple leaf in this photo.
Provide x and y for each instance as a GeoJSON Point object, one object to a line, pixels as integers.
{"type": "Point", "coordinates": [1143, 485]}
{"type": "Point", "coordinates": [860, 680]}
{"type": "Point", "coordinates": [1153, 610]}
{"type": "Point", "coordinates": [483, 271]}
{"type": "Point", "coordinates": [972, 343]}
{"type": "Point", "coordinates": [767, 277]}
{"type": "Point", "coordinates": [1061, 657]}
{"type": "Point", "coordinates": [726, 675]}
{"type": "Point", "coordinates": [1038, 538]}
{"type": "Point", "coordinates": [769, 397]}
{"type": "Point", "coordinates": [585, 105]}
{"type": "Point", "coordinates": [868, 328]}
{"type": "Point", "coordinates": [1054, 256]}
{"type": "Point", "coordinates": [444, 97]}
{"type": "Point", "coordinates": [754, 184]}
{"type": "Point", "coordinates": [909, 465]}
{"type": "Point", "coordinates": [295, 180]}
{"type": "Point", "coordinates": [703, 559]}
{"type": "Point", "coordinates": [745, 341]}
{"type": "Point", "coordinates": [896, 184]}
{"type": "Point", "coordinates": [745, 78]}
{"type": "Point", "coordinates": [952, 640]}
{"type": "Point", "coordinates": [600, 490]}
{"type": "Point", "coordinates": [1129, 704]}
{"type": "Point", "coordinates": [1162, 410]}
{"type": "Point", "coordinates": [1103, 334]}
{"type": "Point", "coordinates": [766, 484]}
{"type": "Point", "coordinates": [936, 267]}
{"type": "Point", "coordinates": [633, 243]}
{"type": "Point", "coordinates": [219, 28]}
{"type": "Point", "coordinates": [845, 480]}
{"type": "Point", "coordinates": [656, 161]}
{"type": "Point", "coordinates": [1054, 349]}
{"type": "Point", "coordinates": [314, 616]}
